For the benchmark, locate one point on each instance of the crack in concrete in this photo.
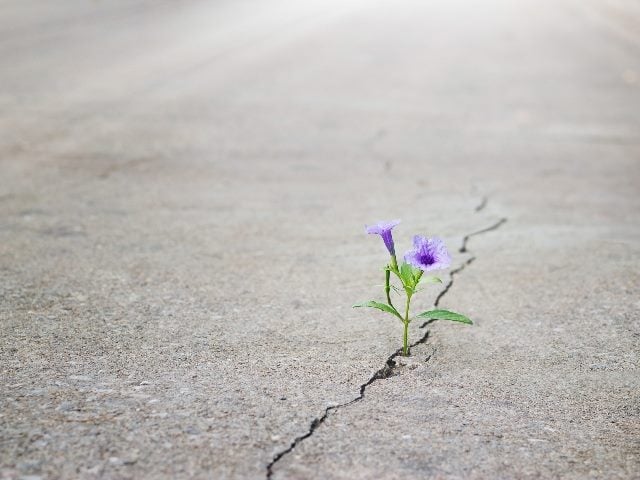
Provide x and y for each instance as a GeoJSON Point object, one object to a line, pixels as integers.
{"type": "Point", "coordinates": [482, 204]}
{"type": "Point", "coordinates": [380, 374]}
{"type": "Point", "coordinates": [495, 226]}
{"type": "Point", "coordinates": [469, 261]}
{"type": "Point", "coordinates": [390, 365]}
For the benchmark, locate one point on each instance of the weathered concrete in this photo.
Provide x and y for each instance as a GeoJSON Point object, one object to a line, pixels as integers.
{"type": "Point", "coordinates": [182, 197]}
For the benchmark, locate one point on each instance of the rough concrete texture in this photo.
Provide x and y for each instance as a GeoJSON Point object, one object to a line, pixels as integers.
{"type": "Point", "coordinates": [182, 196]}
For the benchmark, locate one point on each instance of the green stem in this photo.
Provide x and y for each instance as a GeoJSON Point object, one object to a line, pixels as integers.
{"type": "Point", "coordinates": [387, 277]}
{"type": "Point", "coordinates": [387, 286]}
{"type": "Point", "coordinates": [405, 338]}
{"type": "Point", "coordinates": [394, 262]}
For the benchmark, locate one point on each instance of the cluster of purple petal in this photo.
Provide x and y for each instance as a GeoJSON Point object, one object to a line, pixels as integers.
{"type": "Point", "coordinates": [427, 254]}
{"type": "Point", "coordinates": [384, 230]}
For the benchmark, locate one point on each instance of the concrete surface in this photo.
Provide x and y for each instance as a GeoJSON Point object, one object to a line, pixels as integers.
{"type": "Point", "coordinates": [182, 197]}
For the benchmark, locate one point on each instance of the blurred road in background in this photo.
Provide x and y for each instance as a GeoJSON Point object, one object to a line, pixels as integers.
{"type": "Point", "coordinates": [183, 193]}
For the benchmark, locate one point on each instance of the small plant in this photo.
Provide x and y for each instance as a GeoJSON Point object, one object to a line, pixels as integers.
{"type": "Point", "coordinates": [427, 254]}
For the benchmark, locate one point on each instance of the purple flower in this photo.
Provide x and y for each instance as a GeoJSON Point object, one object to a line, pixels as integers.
{"type": "Point", "coordinates": [428, 254]}
{"type": "Point", "coordinates": [384, 230]}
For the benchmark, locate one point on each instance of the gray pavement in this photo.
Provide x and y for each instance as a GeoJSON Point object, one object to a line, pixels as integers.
{"type": "Point", "coordinates": [183, 188]}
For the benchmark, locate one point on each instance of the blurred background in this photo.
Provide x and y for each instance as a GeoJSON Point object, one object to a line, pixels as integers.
{"type": "Point", "coordinates": [284, 85]}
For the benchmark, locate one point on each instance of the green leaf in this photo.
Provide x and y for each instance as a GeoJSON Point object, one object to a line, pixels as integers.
{"type": "Point", "coordinates": [445, 315]}
{"type": "Point", "coordinates": [380, 306]}
{"type": "Point", "coordinates": [430, 279]}
{"type": "Point", "coordinates": [407, 276]}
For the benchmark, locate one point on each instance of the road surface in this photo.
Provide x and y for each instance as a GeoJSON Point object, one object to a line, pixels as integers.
{"type": "Point", "coordinates": [183, 193]}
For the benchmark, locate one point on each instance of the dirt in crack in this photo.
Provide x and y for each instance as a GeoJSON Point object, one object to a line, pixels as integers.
{"type": "Point", "coordinates": [390, 366]}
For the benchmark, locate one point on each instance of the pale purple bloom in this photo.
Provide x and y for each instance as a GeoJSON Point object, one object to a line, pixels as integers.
{"type": "Point", "coordinates": [428, 254]}
{"type": "Point", "coordinates": [384, 230]}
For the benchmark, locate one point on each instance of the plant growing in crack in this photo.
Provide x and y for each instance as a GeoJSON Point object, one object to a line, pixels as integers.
{"type": "Point", "coordinates": [427, 254]}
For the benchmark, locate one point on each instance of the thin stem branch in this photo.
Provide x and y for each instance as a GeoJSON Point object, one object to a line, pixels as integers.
{"type": "Point", "coordinates": [393, 266]}
{"type": "Point", "coordinates": [387, 286]}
